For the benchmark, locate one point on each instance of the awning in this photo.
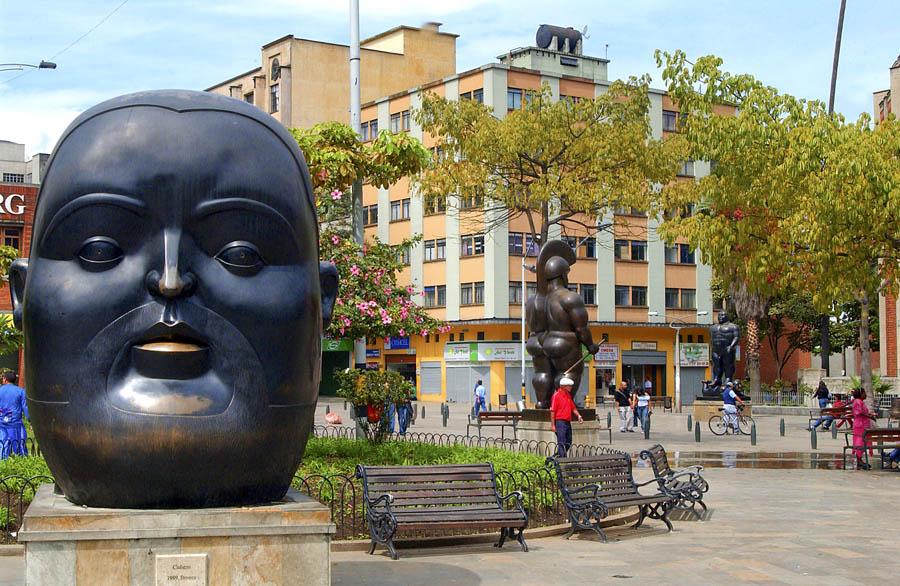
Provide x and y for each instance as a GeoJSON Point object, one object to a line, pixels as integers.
{"type": "Point", "coordinates": [643, 357]}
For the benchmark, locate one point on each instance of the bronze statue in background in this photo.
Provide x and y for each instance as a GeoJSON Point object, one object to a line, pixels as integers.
{"type": "Point", "coordinates": [558, 324]}
{"type": "Point", "coordinates": [173, 304]}
{"type": "Point", "coordinates": [725, 337]}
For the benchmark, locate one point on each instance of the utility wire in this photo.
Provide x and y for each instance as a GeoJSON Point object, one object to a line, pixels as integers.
{"type": "Point", "coordinates": [75, 42]}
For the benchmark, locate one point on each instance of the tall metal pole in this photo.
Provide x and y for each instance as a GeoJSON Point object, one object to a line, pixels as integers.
{"type": "Point", "coordinates": [677, 368]}
{"type": "Point", "coordinates": [359, 346]}
{"type": "Point", "coordinates": [826, 319]}
{"type": "Point", "coordinates": [524, 289]}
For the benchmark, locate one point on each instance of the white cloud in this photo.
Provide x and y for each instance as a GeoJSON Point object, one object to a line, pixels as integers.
{"type": "Point", "coordinates": [38, 119]}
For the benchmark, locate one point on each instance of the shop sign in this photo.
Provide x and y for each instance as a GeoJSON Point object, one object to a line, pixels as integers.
{"type": "Point", "coordinates": [483, 352]}
{"type": "Point", "coordinates": [456, 352]}
{"type": "Point", "coordinates": [14, 204]}
{"type": "Point", "coordinates": [694, 354]}
{"type": "Point", "coordinates": [643, 345]}
{"type": "Point", "coordinates": [396, 343]}
{"type": "Point", "coordinates": [607, 356]}
{"type": "Point", "coordinates": [331, 345]}
{"type": "Point", "coordinates": [373, 353]}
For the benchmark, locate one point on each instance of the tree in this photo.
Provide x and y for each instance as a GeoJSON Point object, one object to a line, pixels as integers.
{"type": "Point", "coordinates": [742, 210]}
{"type": "Point", "coordinates": [11, 338]}
{"type": "Point", "coordinates": [555, 162]}
{"type": "Point", "coordinates": [791, 324]}
{"type": "Point", "coordinates": [370, 303]}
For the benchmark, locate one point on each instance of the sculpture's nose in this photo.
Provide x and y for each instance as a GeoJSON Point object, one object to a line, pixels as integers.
{"type": "Point", "coordinates": [172, 283]}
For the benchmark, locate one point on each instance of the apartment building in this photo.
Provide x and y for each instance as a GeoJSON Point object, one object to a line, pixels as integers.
{"type": "Point", "coordinates": [887, 102]}
{"type": "Point", "coordinates": [15, 168]}
{"type": "Point", "coordinates": [468, 266]}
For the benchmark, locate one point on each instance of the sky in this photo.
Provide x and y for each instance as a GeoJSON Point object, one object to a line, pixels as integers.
{"type": "Point", "coordinates": [156, 44]}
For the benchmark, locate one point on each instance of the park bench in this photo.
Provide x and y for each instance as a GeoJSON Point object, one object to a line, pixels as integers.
{"type": "Point", "coordinates": [686, 486]}
{"type": "Point", "coordinates": [457, 496]}
{"type": "Point", "coordinates": [842, 415]}
{"type": "Point", "coordinates": [894, 414]}
{"type": "Point", "coordinates": [501, 419]}
{"type": "Point", "coordinates": [881, 439]}
{"type": "Point", "coordinates": [591, 486]}
{"type": "Point", "coordinates": [665, 402]}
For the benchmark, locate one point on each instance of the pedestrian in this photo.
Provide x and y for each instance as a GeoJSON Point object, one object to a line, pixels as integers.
{"type": "Point", "coordinates": [480, 394]}
{"type": "Point", "coordinates": [827, 419]}
{"type": "Point", "coordinates": [731, 400]}
{"type": "Point", "coordinates": [623, 401]}
{"type": "Point", "coordinates": [894, 458]}
{"type": "Point", "coordinates": [562, 407]}
{"type": "Point", "coordinates": [822, 394]}
{"type": "Point", "coordinates": [862, 420]}
{"type": "Point", "coordinates": [644, 407]}
{"type": "Point", "coordinates": [13, 412]}
{"type": "Point", "coordinates": [648, 385]}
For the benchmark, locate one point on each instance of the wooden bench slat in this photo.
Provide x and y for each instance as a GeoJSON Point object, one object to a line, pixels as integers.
{"type": "Point", "coordinates": [428, 470]}
{"type": "Point", "coordinates": [402, 478]}
{"type": "Point", "coordinates": [407, 502]}
{"type": "Point", "coordinates": [443, 524]}
{"type": "Point", "coordinates": [436, 486]}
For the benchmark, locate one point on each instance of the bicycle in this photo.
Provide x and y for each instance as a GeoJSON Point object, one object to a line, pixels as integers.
{"type": "Point", "coordinates": [719, 424]}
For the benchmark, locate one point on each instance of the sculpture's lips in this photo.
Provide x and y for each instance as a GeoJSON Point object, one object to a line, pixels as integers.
{"type": "Point", "coordinates": [173, 346]}
{"type": "Point", "coordinates": [171, 352]}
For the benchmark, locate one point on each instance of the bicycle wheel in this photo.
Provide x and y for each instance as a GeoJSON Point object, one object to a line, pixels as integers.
{"type": "Point", "coordinates": [717, 425]}
{"type": "Point", "coordinates": [744, 424]}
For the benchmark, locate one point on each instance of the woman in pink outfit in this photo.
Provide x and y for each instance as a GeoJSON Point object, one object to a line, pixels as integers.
{"type": "Point", "coordinates": [862, 420]}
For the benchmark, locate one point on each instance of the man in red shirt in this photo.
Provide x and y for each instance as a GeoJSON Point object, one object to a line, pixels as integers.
{"type": "Point", "coordinates": [562, 407]}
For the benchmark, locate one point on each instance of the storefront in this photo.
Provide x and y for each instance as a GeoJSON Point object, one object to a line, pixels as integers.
{"type": "Point", "coordinates": [335, 356]}
{"type": "Point", "coordinates": [17, 202]}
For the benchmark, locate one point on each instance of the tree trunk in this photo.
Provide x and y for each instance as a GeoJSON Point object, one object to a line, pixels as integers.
{"type": "Point", "coordinates": [865, 351]}
{"type": "Point", "coordinates": [753, 354]}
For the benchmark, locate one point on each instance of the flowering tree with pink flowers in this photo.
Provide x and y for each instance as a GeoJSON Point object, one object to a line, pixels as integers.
{"type": "Point", "coordinates": [371, 302]}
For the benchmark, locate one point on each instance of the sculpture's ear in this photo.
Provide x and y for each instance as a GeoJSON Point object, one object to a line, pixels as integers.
{"type": "Point", "coordinates": [18, 271]}
{"type": "Point", "coordinates": [328, 281]}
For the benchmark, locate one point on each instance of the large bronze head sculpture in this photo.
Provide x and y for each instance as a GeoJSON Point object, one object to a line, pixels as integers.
{"type": "Point", "coordinates": [173, 304]}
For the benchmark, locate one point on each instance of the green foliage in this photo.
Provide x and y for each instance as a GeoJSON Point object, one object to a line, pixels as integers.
{"type": "Point", "coordinates": [879, 386]}
{"type": "Point", "coordinates": [555, 162]}
{"type": "Point", "coordinates": [374, 390]}
{"type": "Point", "coordinates": [370, 303]}
{"type": "Point", "coordinates": [25, 466]}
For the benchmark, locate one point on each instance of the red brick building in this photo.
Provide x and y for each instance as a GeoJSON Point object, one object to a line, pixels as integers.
{"type": "Point", "coordinates": [17, 203]}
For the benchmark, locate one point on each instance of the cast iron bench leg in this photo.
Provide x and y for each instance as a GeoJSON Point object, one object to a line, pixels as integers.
{"type": "Point", "coordinates": [643, 515]}
{"type": "Point", "coordinates": [503, 533]}
{"type": "Point", "coordinates": [521, 539]}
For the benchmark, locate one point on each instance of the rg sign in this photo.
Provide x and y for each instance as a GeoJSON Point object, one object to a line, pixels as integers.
{"type": "Point", "coordinates": [14, 204]}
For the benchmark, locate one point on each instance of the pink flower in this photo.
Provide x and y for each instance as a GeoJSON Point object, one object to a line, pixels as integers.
{"type": "Point", "coordinates": [335, 240]}
{"type": "Point", "coordinates": [423, 333]}
{"type": "Point", "coordinates": [409, 289]}
{"type": "Point", "coordinates": [347, 321]}
{"type": "Point", "coordinates": [402, 332]}
{"type": "Point", "coordinates": [354, 270]}
{"type": "Point", "coordinates": [336, 194]}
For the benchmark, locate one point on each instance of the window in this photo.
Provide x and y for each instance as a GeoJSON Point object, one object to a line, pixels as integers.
{"type": "Point", "coordinates": [14, 178]}
{"type": "Point", "coordinates": [516, 241]}
{"type": "Point", "coordinates": [718, 304]}
{"type": "Point", "coordinates": [471, 202]}
{"type": "Point", "coordinates": [479, 335]}
{"type": "Point", "coordinates": [436, 296]}
{"type": "Point", "coordinates": [373, 129]}
{"type": "Point", "coordinates": [622, 295]}
{"type": "Point", "coordinates": [670, 121]}
{"type": "Point", "coordinates": [404, 121]}
{"type": "Point", "coordinates": [531, 247]}
{"type": "Point", "coordinates": [364, 131]}
{"type": "Point", "coordinates": [639, 296]}
{"type": "Point", "coordinates": [400, 210]}
{"type": "Point", "coordinates": [516, 336]}
{"type": "Point", "coordinates": [572, 287]}
{"type": "Point", "coordinates": [274, 98]}
{"type": "Point", "coordinates": [479, 292]}
{"type": "Point", "coordinates": [572, 242]}
{"type": "Point", "coordinates": [688, 299]}
{"type": "Point", "coordinates": [395, 123]}
{"type": "Point", "coordinates": [435, 249]}
{"type": "Point", "coordinates": [679, 254]}
{"type": "Point", "coordinates": [690, 338]}
{"type": "Point", "coordinates": [621, 248]}
{"type": "Point", "coordinates": [687, 168]}
{"type": "Point", "coordinates": [477, 95]}
{"type": "Point", "coordinates": [671, 297]}
{"type": "Point", "coordinates": [532, 289]}
{"type": "Point", "coordinates": [435, 206]}
{"type": "Point", "coordinates": [471, 244]}
{"type": "Point", "coordinates": [589, 294]}
{"type": "Point", "coordinates": [12, 237]}
{"type": "Point", "coordinates": [403, 256]}
{"type": "Point", "coordinates": [639, 250]}
{"type": "Point", "coordinates": [515, 293]}
{"type": "Point", "coordinates": [623, 211]}
{"type": "Point", "coordinates": [700, 338]}
{"type": "Point", "coordinates": [513, 99]}
{"type": "Point", "coordinates": [370, 215]}
{"type": "Point", "coordinates": [452, 336]}
{"type": "Point", "coordinates": [462, 336]}
{"type": "Point", "coordinates": [248, 97]}
{"type": "Point", "coordinates": [589, 248]}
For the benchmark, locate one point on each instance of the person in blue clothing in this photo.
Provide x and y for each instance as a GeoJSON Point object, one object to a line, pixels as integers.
{"type": "Point", "coordinates": [13, 411]}
{"type": "Point", "coordinates": [731, 401]}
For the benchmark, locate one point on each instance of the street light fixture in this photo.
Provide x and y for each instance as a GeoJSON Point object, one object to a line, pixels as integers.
{"type": "Point", "coordinates": [678, 324]}
{"type": "Point", "coordinates": [20, 66]}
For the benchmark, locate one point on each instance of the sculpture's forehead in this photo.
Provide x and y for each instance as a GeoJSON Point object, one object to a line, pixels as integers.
{"type": "Point", "coordinates": [176, 158]}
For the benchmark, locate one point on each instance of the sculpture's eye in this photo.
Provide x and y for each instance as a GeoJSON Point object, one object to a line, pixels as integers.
{"type": "Point", "coordinates": [241, 258]}
{"type": "Point", "coordinates": [100, 252]}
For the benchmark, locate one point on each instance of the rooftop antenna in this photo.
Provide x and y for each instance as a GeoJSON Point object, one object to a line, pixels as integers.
{"type": "Point", "coordinates": [584, 32]}
{"type": "Point", "coordinates": [606, 52]}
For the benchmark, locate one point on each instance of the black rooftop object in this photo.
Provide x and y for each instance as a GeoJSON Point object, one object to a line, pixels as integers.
{"type": "Point", "coordinates": [173, 304]}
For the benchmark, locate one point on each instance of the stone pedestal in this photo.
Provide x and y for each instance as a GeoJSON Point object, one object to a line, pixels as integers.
{"type": "Point", "coordinates": [277, 544]}
{"type": "Point", "coordinates": [585, 433]}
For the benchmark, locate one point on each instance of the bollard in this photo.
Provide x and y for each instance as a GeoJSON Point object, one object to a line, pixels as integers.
{"type": "Point", "coordinates": [345, 405]}
{"type": "Point", "coordinates": [833, 430]}
{"type": "Point", "coordinates": [444, 416]}
{"type": "Point", "coordinates": [609, 419]}
{"type": "Point", "coordinates": [327, 409]}
{"type": "Point", "coordinates": [646, 425]}
{"type": "Point", "coordinates": [813, 441]}
{"type": "Point", "coordinates": [690, 422]}
{"type": "Point", "coordinates": [423, 411]}
{"type": "Point", "coordinates": [753, 434]}
{"type": "Point", "coordinates": [697, 431]}
{"type": "Point", "coordinates": [781, 427]}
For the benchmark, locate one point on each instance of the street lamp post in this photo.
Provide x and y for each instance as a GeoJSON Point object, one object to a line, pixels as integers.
{"type": "Point", "coordinates": [21, 66]}
{"type": "Point", "coordinates": [531, 268]}
{"type": "Point", "coordinates": [678, 324]}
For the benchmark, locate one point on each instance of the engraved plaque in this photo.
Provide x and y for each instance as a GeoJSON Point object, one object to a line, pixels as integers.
{"type": "Point", "coordinates": [181, 569]}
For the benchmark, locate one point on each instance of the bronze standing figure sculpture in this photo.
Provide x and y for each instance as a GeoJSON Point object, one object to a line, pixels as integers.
{"type": "Point", "coordinates": [558, 321]}
{"type": "Point", "coordinates": [173, 304]}
{"type": "Point", "coordinates": [725, 337]}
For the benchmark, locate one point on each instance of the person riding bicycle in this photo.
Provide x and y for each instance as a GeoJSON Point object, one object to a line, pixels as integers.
{"type": "Point", "coordinates": [731, 400]}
